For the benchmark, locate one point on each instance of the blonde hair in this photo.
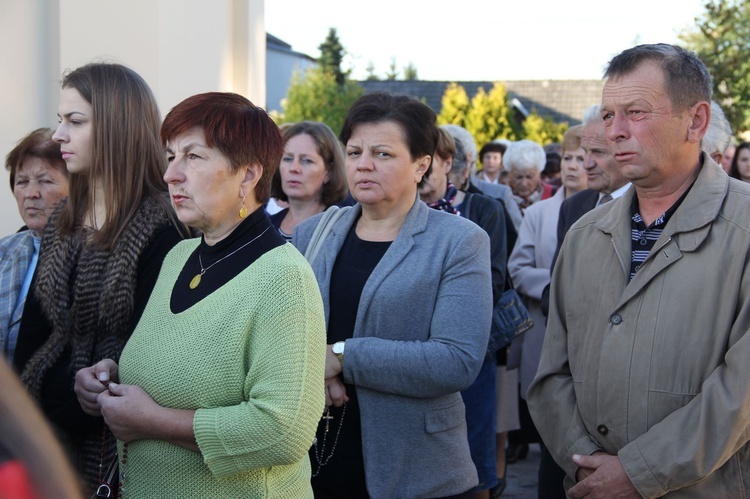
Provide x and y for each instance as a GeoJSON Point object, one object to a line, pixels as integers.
{"type": "Point", "coordinates": [571, 141]}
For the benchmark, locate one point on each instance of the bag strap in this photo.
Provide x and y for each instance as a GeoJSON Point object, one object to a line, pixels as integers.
{"type": "Point", "coordinates": [326, 223]}
{"type": "Point", "coordinates": [467, 204]}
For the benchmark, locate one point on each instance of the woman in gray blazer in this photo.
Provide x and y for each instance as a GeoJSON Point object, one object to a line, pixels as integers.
{"type": "Point", "coordinates": [408, 301]}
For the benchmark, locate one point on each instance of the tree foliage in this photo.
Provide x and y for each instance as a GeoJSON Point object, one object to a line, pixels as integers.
{"type": "Point", "coordinates": [324, 93]}
{"type": "Point", "coordinates": [410, 72]}
{"type": "Point", "coordinates": [392, 73]}
{"type": "Point", "coordinates": [721, 39]}
{"type": "Point", "coordinates": [455, 104]}
{"type": "Point", "coordinates": [490, 116]}
{"type": "Point", "coordinates": [316, 96]}
{"type": "Point", "coordinates": [543, 130]}
{"type": "Point", "coordinates": [332, 55]}
{"type": "Point", "coordinates": [371, 75]}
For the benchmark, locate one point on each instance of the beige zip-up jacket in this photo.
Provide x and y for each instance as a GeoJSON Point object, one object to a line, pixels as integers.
{"type": "Point", "coordinates": [657, 370]}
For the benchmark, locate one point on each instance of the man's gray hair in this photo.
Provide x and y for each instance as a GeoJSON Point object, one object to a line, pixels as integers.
{"type": "Point", "coordinates": [462, 135]}
{"type": "Point", "coordinates": [525, 155]}
{"type": "Point", "coordinates": [592, 115]}
{"type": "Point", "coordinates": [719, 133]}
{"type": "Point", "coordinates": [459, 160]}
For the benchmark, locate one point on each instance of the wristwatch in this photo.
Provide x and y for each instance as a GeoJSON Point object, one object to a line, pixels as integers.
{"type": "Point", "coordinates": [338, 350]}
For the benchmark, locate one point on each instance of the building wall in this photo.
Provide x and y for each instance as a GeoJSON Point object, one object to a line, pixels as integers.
{"type": "Point", "coordinates": [280, 68]}
{"type": "Point", "coordinates": [180, 47]}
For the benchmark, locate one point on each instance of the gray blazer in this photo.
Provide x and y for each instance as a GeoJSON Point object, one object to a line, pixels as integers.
{"type": "Point", "coordinates": [420, 337]}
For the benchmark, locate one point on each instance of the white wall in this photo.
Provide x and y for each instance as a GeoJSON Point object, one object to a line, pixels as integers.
{"type": "Point", "coordinates": [29, 81]}
{"type": "Point", "coordinates": [180, 47]}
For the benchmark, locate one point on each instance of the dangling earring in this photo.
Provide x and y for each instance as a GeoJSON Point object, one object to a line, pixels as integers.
{"type": "Point", "coordinates": [243, 210]}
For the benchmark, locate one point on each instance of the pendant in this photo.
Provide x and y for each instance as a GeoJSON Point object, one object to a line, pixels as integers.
{"type": "Point", "coordinates": [243, 211]}
{"type": "Point", "coordinates": [196, 280]}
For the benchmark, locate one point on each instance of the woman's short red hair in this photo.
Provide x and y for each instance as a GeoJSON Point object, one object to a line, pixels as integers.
{"type": "Point", "coordinates": [243, 132]}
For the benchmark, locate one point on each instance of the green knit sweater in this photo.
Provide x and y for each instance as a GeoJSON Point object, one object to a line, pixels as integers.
{"type": "Point", "coordinates": [250, 359]}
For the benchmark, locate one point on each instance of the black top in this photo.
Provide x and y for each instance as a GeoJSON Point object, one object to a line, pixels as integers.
{"type": "Point", "coordinates": [354, 264]}
{"type": "Point", "coordinates": [276, 220]}
{"type": "Point", "coordinates": [254, 226]}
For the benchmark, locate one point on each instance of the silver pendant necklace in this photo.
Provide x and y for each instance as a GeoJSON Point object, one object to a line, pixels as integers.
{"type": "Point", "coordinates": [197, 279]}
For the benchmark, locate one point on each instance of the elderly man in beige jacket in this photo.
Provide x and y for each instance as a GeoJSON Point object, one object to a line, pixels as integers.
{"type": "Point", "coordinates": [643, 386]}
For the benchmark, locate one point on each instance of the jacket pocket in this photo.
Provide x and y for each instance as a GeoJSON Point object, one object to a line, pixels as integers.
{"type": "Point", "coordinates": [445, 418]}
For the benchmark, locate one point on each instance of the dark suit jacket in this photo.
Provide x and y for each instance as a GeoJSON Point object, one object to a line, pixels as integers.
{"type": "Point", "coordinates": [571, 210]}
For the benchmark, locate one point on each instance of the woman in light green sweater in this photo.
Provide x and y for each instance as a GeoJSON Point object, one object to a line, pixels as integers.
{"type": "Point", "coordinates": [220, 387]}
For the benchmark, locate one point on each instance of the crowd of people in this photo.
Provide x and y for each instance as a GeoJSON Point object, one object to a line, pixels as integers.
{"type": "Point", "coordinates": [217, 306]}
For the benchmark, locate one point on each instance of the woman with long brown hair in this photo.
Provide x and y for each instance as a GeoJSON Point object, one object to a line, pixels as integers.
{"type": "Point", "coordinates": [310, 177]}
{"type": "Point", "coordinates": [101, 250]}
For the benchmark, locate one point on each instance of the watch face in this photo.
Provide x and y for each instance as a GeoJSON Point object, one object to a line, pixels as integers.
{"type": "Point", "coordinates": [338, 347]}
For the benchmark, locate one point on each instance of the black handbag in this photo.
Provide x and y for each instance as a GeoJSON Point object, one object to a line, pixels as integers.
{"type": "Point", "coordinates": [510, 317]}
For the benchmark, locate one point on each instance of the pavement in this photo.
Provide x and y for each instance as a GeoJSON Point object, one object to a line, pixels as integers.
{"type": "Point", "coordinates": [523, 475]}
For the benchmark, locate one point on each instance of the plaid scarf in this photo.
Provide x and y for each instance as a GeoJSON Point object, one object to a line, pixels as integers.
{"type": "Point", "coordinates": [446, 202]}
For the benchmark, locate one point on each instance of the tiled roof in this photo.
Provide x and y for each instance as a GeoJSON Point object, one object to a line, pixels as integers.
{"type": "Point", "coordinates": [279, 45]}
{"type": "Point", "coordinates": [562, 100]}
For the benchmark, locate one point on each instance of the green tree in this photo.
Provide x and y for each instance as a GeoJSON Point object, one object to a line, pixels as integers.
{"type": "Point", "coordinates": [721, 39]}
{"type": "Point", "coordinates": [410, 72]}
{"type": "Point", "coordinates": [455, 105]}
{"type": "Point", "coordinates": [317, 96]}
{"type": "Point", "coordinates": [490, 116]}
{"type": "Point", "coordinates": [331, 56]}
{"type": "Point", "coordinates": [392, 72]}
{"type": "Point", "coordinates": [371, 76]}
{"type": "Point", "coordinates": [543, 130]}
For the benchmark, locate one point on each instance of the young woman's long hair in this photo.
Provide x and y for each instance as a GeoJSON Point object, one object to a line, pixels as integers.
{"type": "Point", "coordinates": [127, 157]}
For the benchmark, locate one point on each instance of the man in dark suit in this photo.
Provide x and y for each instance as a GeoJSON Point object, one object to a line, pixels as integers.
{"type": "Point", "coordinates": [605, 182]}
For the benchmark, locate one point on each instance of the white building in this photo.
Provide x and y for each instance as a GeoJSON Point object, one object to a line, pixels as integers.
{"type": "Point", "coordinates": [180, 47]}
{"type": "Point", "coordinates": [281, 64]}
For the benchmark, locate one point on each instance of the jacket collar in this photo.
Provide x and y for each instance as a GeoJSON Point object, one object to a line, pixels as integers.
{"type": "Point", "coordinates": [685, 232]}
{"type": "Point", "coordinates": [415, 222]}
{"type": "Point", "coordinates": [698, 209]}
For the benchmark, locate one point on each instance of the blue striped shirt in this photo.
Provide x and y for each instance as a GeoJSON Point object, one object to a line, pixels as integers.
{"type": "Point", "coordinates": [644, 238]}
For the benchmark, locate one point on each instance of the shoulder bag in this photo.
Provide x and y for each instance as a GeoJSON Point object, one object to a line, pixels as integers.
{"type": "Point", "coordinates": [326, 223]}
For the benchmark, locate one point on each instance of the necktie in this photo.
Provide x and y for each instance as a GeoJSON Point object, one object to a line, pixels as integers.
{"type": "Point", "coordinates": [605, 199]}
